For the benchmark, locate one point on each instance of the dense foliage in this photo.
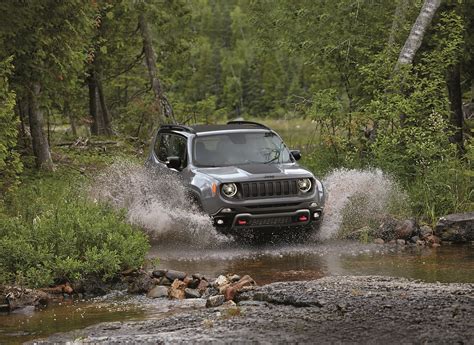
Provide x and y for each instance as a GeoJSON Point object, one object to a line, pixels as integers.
{"type": "Point", "coordinates": [61, 236]}
{"type": "Point", "coordinates": [10, 164]}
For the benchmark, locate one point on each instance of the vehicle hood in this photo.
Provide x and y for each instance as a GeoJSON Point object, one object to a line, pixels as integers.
{"type": "Point", "coordinates": [254, 172]}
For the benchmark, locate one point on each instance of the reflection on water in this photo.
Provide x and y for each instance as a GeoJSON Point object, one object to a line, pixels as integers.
{"type": "Point", "coordinates": [28, 324]}
{"type": "Point", "coordinates": [276, 262]}
{"type": "Point", "coordinates": [266, 264]}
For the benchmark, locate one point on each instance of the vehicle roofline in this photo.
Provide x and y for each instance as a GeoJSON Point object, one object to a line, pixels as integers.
{"type": "Point", "coordinates": [240, 130]}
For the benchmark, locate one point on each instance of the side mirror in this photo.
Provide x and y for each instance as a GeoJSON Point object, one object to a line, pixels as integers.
{"type": "Point", "coordinates": [296, 154]}
{"type": "Point", "coordinates": [173, 162]}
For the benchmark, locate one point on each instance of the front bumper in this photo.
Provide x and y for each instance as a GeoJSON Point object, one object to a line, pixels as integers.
{"type": "Point", "coordinates": [267, 216]}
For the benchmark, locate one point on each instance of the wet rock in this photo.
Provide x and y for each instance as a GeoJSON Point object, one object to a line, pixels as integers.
{"type": "Point", "coordinates": [221, 281]}
{"type": "Point", "coordinates": [425, 231]}
{"type": "Point", "coordinates": [198, 276]}
{"type": "Point", "coordinates": [237, 287]}
{"type": "Point", "coordinates": [215, 301]}
{"type": "Point", "coordinates": [187, 280]}
{"type": "Point", "coordinates": [192, 293]}
{"type": "Point", "coordinates": [158, 292]}
{"type": "Point", "coordinates": [386, 230]}
{"type": "Point", "coordinates": [13, 298]}
{"type": "Point", "coordinates": [223, 288]}
{"type": "Point", "coordinates": [165, 281]}
{"type": "Point", "coordinates": [173, 275]}
{"type": "Point", "coordinates": [432, 239]}
{"type": "Point", "coordinates": [228, 304]}
{"type": "Point", "coordinates": [251, 303]}
{"type": "Point", "coordinates": [405, 229]}
{"type": "Point", "coordinates": [177, 290]}
{"type": "Point", "coordinates": [379, 241]}
{"type": "Point", "coordinates": [202, 285]}
{"type": "Point", "coordinates": [414, 239]}
{"type": "Point", "coordinates": [210, 291]}
{"type": "Point", "coordinates": [401, 242]}
{"type": "Point", "coordinates": [141, 284]}
{"type": "Point", "coordinates": [194, 283]}
{"type": "Point", "coordinates": [94, 287]}
{"type": "Point", "coordinates": [234, 278]}
{"type": "Point", "coordinates": [457, 227]}
{"type": "Point", "coordinates": [159, 273]}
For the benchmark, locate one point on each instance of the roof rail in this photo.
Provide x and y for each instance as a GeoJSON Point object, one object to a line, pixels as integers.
{"type": "Point", "coordinates": [177, 127]}
{"type": "Point", "coordinates": [242, 122]}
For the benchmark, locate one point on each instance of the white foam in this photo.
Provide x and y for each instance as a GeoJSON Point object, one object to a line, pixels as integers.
{"type": "Point", "coordinates": [375, 187]}
{"type": "Point", "coordinates": [155, 201]}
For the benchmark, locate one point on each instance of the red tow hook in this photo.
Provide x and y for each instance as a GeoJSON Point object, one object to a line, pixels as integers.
{"type": "Point", "coordinates": [303, 218]}
{"type": "Point", "coordinates": [242, 222]}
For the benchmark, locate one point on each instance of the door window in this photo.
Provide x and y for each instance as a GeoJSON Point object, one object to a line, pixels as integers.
{"type": "Point", "coordinates": [169, 145]}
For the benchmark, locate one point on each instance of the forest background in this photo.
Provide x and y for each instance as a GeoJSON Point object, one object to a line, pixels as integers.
{"type": "Point", "coordinates": [329, 75]}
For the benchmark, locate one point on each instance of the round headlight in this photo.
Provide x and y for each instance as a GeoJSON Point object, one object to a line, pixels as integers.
{"type": "Point", "coordinates": [304, 184]}
{"type": "Point", "coordinates": [229, 189]}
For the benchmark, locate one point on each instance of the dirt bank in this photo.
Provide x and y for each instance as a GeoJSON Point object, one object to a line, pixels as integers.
{"type": "Point", "coordinates": [368, 309]}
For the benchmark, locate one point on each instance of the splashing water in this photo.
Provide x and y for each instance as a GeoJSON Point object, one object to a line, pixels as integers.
{"type": "Point", "coordinates": [375, 190]}
{"type": "Point", "coordinates": [155, 201]}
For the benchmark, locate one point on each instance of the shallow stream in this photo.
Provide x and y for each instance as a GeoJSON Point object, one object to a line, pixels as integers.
{"type": "Point", "coordinates": [265, 263]}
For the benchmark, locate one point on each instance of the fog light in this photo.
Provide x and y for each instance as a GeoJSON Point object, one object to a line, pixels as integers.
{"type": "Point", "coordinates": [313, 204]}
{"type": "Point", "coordinates": [220, 221]}
{"type": "Point", "coordinates": [316, 215]}
{"type": "Point", "coordinates": [226, 210]}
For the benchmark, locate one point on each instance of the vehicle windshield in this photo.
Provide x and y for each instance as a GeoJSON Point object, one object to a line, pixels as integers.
{"type": "Point", "coordinates": [227, 149]}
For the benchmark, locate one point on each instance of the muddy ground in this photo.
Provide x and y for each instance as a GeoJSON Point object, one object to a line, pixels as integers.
{"type": "Point", "coordinates": [364, 309]}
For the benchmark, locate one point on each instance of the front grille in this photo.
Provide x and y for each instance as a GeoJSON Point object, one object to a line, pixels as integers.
{"type": "Point", "coordinates": [270, 221]}
{"type": "Point", "coordinates": [265, 189]}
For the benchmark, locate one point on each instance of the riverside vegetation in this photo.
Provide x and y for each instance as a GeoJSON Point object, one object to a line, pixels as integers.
{"type": "Point", "coordinates": [332, 77]}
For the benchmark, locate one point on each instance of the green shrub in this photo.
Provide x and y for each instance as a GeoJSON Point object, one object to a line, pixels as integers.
{"type": "Point", "coordinates": [53, 234]}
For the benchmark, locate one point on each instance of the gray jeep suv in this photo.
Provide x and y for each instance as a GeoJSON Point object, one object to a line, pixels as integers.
{"type": "Point", "coordinates": [242, 175]}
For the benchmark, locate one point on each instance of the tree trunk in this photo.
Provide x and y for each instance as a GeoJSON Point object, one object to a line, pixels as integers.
{"type": "Point", "coordinates": [453, 81]}
{"type": "Point", "coordinates": [415, 38]}
{"type": "Point", "coordinates": [96, 125]}
{"type": "Point", "coordinates": [40, 143]}
{"type": "Point", "coordinates": [150, 59]}
{"type": "Point", "coordinates": [72, 120]}
{"type": "Point", "coordinates": [22, 106]}
{"type": "Point", "coordinates": [105, 110]}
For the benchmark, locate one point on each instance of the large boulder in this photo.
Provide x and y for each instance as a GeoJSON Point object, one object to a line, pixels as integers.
{"type": "Point", "coordinates": [457, 227]}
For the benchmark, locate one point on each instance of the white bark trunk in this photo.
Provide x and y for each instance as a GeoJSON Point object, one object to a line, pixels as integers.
{"type": "Point", "coordinates": [415, 38]}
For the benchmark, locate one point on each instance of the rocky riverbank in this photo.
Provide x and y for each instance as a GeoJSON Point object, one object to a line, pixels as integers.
{"type": "Point", "coordinates": [367, 309]}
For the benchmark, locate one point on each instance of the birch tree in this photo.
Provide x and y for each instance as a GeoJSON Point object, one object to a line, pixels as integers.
{"type": "Point", "coordinates": [418, 30]}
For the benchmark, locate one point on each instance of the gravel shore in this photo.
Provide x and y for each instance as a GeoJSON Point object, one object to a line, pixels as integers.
{"type": "Point", "coordinates": [339, 309]}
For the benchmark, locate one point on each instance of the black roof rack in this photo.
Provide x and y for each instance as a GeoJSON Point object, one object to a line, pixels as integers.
{"type": "Point", "coordinates": [242, 122]}
{"type": "Point", "coordinates": [177, 127]}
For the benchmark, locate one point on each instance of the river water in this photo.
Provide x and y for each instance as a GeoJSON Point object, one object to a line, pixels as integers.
{"type": "Point", "coordinates": [265, 263]}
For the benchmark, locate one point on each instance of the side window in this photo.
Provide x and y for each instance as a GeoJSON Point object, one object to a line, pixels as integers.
{"type": "Point", "coordinates": [162, 145]}
{"type": "Point", "coordinates": [168, 145]}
